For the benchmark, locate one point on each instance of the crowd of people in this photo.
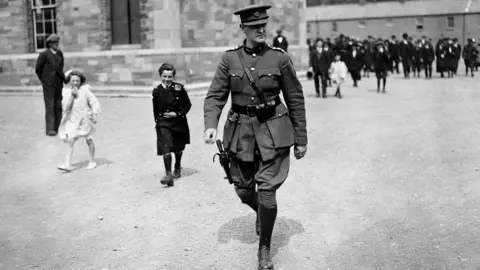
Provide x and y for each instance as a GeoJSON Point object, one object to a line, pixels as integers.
{"type": "Point", "coordinates": [386, 55]}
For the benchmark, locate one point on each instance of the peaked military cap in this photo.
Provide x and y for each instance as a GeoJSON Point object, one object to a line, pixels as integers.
{"type": "Point", "coordinates": [53, 38]}
{"type": "Point", "coordinates": [253, 14]}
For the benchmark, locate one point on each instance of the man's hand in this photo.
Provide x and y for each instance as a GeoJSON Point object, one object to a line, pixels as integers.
{"type": "Point", "coordinates": [310, 69]}
{"type": "Point", "coordinates": [210, 135]}
{"type": "Point", "coordinates": [170, 114]}
{"type": "Point", "coordinates": [300, 151]}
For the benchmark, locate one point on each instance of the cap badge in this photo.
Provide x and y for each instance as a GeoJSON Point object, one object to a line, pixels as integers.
{"type": "Point", "coordinates": [256, 14]}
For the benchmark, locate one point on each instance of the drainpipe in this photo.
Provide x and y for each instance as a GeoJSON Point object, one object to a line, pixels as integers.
{"type": "Point", "coordinates": [467, 8]}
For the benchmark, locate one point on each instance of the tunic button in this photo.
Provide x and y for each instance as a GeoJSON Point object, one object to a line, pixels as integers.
{"type": "Point", "coordinates": [252, 69]}
{"type": "Point", "coordinates": [254, 55]}
{"type": "Point", "coordinates": [269, 74]}
{"type": "Point", "coordinates": [252, 98]}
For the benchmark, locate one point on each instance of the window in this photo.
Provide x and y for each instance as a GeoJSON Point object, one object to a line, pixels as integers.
{"type": "Point", "coordinates": [44, 21]}
{"type": "Point", "coordinates": [334, 27]}
{"type": "Point", "coordinates": [309, 27]}
{"type": "Point", "coordinates": [313, 3]}
{"type": "Point", "coordinates": [419, 23]}
{"type": "Point", "coordinates": [389, 22]}
{"type": "Point", "coordinates": [125, 22]}
{"type": "Point", "coordinates": [450, 22]}
{"type": "Point", "coordinates": [362, 24]}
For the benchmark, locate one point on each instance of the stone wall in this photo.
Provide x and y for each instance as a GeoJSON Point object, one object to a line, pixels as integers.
{"type": "Point", "coordinates": [135, 68]}
{"type": "Point", "coordinates": [13, 26]}
{"type": "Point", "coordinates": [84, 25]}
{"type": "Point", "coordinates": [212, 23]}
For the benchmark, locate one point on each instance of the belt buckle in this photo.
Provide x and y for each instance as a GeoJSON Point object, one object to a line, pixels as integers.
{"type": "Point", "coordinates": [250, 111]}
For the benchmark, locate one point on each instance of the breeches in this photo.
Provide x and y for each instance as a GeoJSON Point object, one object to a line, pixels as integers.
{"type": "Point", "coordinates": [268, 175]}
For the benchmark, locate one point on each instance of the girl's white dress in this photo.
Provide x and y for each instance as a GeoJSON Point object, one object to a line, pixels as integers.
{"type": "Point", "coordinates": [338, 71]}
{"type": "Point", "coordinates": [76, 121]}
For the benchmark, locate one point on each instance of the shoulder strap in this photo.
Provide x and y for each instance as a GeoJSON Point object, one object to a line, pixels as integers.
{"type": "Point", "coordinates": [259, 92]}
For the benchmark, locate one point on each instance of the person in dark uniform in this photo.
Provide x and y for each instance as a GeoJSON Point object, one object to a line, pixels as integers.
{"type": "Point", "coordinates": [327, 46]}
{"type": "Point", "coordinates": [406, 53]}
{"type": "Point", "coordinates": [457, 51]}
{"type": "Point", "coordinates": [380, 65]}
{"type": "Point", "coordinates": [170, 107]}
{"type": "Point", "coordinates": [280, 41]}
{"type": "Point", "coordinates": [428, 55]}
{"type": "Point", "coordinates": [260, 129]}
{"type": "Point", "coordinates": [386, 47]}
{"type": "Point", "coordinates": [440, 52]}
{"type": "Point", "coordinates": [49, 69]}
{"type": "Point", "coordinates": [395, 53]}
{"type": "Point", "coordinates": [367, 58]}
{"type": "Point", "coordinates": [354, 61]}
{"type": "Point", "coordinates": [450, 58]}
{"type": "Point", "coordinates": [417, 59]}
{"type": "Point", "coordinates": [470, 54]}
{"type": "Point", "coordinates": [319, 64]}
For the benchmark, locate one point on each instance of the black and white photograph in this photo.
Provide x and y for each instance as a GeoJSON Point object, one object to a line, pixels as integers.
{"type": "Point", "coordinates": [223, 134]}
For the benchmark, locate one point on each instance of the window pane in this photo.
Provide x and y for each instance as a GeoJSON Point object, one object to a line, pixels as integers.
{"type": "Point", "coordinates": [48, 28]}
{"type": "Point", "coordinates": [54, 27]}
{"type": "Point", "coordinates": [41, 42]}
{"type": "Point", "coordinates": [40, 29]}
{"type": "Point", "coordinates": [38, 16]}
{"type": "Point", "coordinates": [45, 2]}
{"type": "Point", "coordinates": [48, 14]}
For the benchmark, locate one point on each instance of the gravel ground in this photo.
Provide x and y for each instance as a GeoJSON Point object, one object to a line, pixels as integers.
{"type": "Point", "coordinates": [389, 182]}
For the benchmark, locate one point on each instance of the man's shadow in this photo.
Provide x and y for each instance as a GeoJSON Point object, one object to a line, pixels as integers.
{"type": "Point", "coordinates": [243, 229]}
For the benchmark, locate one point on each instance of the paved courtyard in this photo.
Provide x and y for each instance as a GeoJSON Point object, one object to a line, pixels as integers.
{"type": "Point", "coordinates": [390, 181]}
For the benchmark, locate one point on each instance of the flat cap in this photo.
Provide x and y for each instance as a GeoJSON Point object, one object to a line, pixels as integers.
{"type": "Point", "coordinates": [53, 38]}
{"type": "Point", "coordinates": [253, 14]}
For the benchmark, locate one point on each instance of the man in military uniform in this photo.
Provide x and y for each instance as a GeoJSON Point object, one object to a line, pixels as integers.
{"type": "Point", "coordinates": [260, 129]}
{"type": "Point", "coordinates": [49, 69]}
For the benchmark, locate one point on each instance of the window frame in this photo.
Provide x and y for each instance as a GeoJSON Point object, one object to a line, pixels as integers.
{"type": "Point", "coordinates": [362, 24]}
{"type": "Point", "coordinates": [453, 22]}
{"type": "Point", "coordinates": [38, 7]}
{"type": "Point", "coordinates": [389, 22]}
{"type": "Point", "coordinates": [419, 22]}
{"type": "Point", "coordinates": [334, 26]}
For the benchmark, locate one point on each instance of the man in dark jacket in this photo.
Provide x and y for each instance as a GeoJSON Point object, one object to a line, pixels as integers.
{"type": "Point", "coordinates": [280, 41]}
{"type": "Point", "coordinates": [470, 54]}
{"type": "Point", "coordinates": [354, 61]}
{"type": "Point", "coordinates": [406, 54]}
{"type": "Point", "coordinates": [319, 63]}
{"type": "Point", "coordinates": [49, 69]}
{"type": "Point", "coordinates": [428, 55]}
{"type": "Point", "coordinates": [395, 53]}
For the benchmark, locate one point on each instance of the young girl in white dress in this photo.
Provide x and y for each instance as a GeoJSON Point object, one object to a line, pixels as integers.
{"type": "Point", "coordinates": [338, 73]}
{"type": "Point", "coordinates": [80, 110]}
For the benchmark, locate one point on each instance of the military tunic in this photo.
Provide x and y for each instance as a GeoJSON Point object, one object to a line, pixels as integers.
{"type": "Point", "coordinates": [260, 150]}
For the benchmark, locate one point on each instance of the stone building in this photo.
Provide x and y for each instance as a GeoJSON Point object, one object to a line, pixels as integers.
{"type": "Point", "coordinates": [382, 18]}
{"type": "Point", "coordinates": [123, 42]}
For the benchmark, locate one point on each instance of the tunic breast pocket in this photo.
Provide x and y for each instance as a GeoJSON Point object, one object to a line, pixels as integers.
{"type": "Point", "coordinates": [235, 78]}
{"type": "Point", "coordinates": [269, 78]}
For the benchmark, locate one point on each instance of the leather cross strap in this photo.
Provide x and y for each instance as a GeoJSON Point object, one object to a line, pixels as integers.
{"type": "Point", "coordinates": [259, 92]}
